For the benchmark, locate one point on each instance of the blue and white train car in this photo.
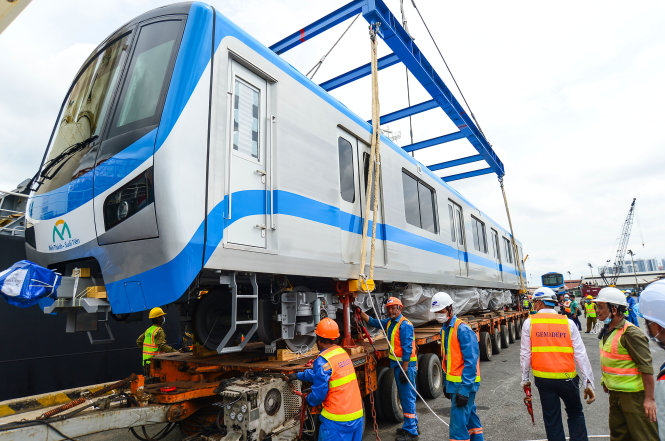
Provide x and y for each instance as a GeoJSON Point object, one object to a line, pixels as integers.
{"type": "Point", "coordinates": [189, 161]}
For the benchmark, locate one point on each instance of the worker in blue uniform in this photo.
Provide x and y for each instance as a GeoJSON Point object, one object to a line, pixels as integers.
{"type": "Point", "coordinates": [400, 332]}
{"type": "Point", "coordinates": [630, 313]}
{"type": "Point", "coordinates": [335, 387]}
{"type": "Point", "coordinates": [462, 369]}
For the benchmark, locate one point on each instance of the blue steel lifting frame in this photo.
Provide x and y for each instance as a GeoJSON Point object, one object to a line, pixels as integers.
{"type": "Point", "coordinates": [404, 51]}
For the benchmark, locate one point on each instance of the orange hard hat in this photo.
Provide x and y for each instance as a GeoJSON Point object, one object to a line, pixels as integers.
{"type": "Point", "coordinates": [394, 301]}
{"type": "Point", "coordinates": [327, 328]}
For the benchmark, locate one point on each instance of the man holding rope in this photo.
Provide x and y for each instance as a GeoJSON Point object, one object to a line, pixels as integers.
{"type": "Point", "coordinates": [400, 333]}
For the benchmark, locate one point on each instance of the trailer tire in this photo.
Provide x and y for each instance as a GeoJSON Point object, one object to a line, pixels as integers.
{"type": "Point", "coordinates": [430, 376]}
{"type": "Point", "coordinates": [381, 371]}
{"type": "Point", "coordinates": [505, 340]}
{"type": "Point", "coordinates": [512, 335]}
{"type": "Point", "coordinates": [496, 341]}
{"type": "Point", "coordinates": [389, 398]}
{"type": "Point", "coordinates": [485, 346]}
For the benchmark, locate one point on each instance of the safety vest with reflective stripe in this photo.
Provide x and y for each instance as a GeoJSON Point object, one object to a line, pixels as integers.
{"type": "Point", "coordinates": [150, 349]}
{"type": "Point", "coordinates": [552, 354]}
{"type": "Point", "coordinates": [343, 402]}
{"type": "Point", "coordinates": [525, 303]}
{"type": "Point", "coordinates": [619, 370]}
{"type": "Point", "coordinates": [397, 344]}
{"type": "Point", "coordinates": [566, 307]}
{"type": "Point", "coordinates": [590, 309]}
{"type": "Point", "coordinates": [453, 358]}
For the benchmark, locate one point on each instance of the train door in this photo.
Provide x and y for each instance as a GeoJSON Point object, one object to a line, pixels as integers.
{"type": "Point", "coordinates": [247, 172]}
{"type": "Point", "coordinates": [497, 254]}
{"type": "Point", "coordinates": [363, 160]}
{"type": "Point", "coordinates": [458, 237]}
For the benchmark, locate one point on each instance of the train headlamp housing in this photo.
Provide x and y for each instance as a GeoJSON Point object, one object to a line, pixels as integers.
{"type": "Point", "coordinates": [129, 199]}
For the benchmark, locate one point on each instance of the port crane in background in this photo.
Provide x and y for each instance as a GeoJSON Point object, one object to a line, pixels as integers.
{"type": "Point", "coordinates": [610, 280]}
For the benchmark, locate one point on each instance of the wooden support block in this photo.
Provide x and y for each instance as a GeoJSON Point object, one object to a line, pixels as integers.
{"type": "Point", "coordinates": [201, 351]}
{"type": "Point", "coordinates": [287, 354]}
{"type": "Point", "coordinates": [96, 292]}
{"type": "Point", "coordinates": [355, 350]}
{"type": "Point", "coordinates": [81, 272]}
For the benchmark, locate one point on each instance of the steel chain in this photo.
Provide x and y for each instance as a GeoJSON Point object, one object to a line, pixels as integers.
{"type": "Point", "coordinates": [371, 394]}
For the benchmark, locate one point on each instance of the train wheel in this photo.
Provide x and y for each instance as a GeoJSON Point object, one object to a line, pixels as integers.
{"type": "Point", "coordinates": [392, 408]}
{"type": "Point", "coordinates": [511, 332]}
{"type": "Point", "coordinates": [381, 371]}
{"type": "Point", "coordinates": [485, 346]}
{"type": "Point", "coordinates": [505, 341]}
{"type": "Point", "coordinates": [496, 341]}
{"type": "Point", "coordinates": [430, 376]}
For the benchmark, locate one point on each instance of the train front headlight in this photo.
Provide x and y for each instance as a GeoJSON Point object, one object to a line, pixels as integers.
{"type": "Point", "coordinates": [129, 199]}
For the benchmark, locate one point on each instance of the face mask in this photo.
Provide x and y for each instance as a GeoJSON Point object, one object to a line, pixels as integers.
{"type": "Point", "coordinates": [442, 318]}
{"type": "Point", "coordinates": [607, 320]}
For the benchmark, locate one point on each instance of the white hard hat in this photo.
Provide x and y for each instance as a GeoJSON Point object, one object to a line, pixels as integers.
{"type": "Point", "coordinates": [652, 303]}
{"type": "Point", "coordinates": [439, 301]}
{"type": "Point", "coordinates": [611, 295]}
{"type": "Point", "coordinates": [545, 294]}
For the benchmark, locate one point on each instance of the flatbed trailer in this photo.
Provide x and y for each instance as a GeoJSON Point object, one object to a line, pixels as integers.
{"type": "Point", "coordinates": [239, 393]}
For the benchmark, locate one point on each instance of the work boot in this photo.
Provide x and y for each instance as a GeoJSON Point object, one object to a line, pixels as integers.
{"type": "Point", "coordinates": [406, 436]}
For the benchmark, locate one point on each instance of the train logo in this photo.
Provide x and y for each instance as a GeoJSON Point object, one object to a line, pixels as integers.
{"type": "Point", "coordinates": [61, 232]}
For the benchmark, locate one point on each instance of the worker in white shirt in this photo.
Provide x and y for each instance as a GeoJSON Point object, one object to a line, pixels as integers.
{"type": "Point", "coordinates": [551, 345]}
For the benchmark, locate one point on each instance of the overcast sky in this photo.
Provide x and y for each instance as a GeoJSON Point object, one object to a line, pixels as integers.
{"type": "Point", "coordinates": [569, 94]}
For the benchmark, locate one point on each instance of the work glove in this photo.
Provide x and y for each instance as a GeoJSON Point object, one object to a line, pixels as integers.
{"type": "Point", "coordinates": [461, 400]}
{"type": "Point", "coordinates": [402, 378]}
{"type": "Point", "coordinates": [526, 383]}
{"type": "Point", "coordinates": [293, 376]}
{"type": "Point", "coordinates": [589, 395]}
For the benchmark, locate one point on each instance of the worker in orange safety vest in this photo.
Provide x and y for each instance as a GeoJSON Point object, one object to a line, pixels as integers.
{"type": "Point", "coordinates": [551, 344]}
{"type": "Point", "coordinates": [335, 386]}
{"type": "Point", "coordinates": [461, 357]}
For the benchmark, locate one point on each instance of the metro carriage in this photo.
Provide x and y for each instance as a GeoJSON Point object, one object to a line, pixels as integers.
{"type": "Point", "coordinates": [189, 163]}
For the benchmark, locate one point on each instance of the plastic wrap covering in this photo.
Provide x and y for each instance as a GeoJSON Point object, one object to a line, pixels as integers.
{"type": "Point", "coordinates": [417, 299]}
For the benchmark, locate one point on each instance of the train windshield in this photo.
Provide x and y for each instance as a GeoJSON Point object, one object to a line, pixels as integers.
{"type": "Point", "coordinates": [552, 279]}
{"type": "Point", "coordinates": [82, 117]}
{"type": "Point", "coordinates": [132, 111]}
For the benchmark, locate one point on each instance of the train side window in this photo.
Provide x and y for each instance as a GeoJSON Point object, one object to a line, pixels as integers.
{"type": "Point", "coordinates": [495, 245]}
{"type": "Point", "coordinates": [419, 203]}
{"type": "Point", "coordinates": [507, 250]}
{"type": "Point", "coordinates": [411, 205]}
{"type": "Point", "coordinates": [347, 187]}
{"type": "Point", "coordinates": [479, 236]}
{"type": "Point", "coordinates": [366, 172]}
{"type": "Point", "coordinates": [453, 238]}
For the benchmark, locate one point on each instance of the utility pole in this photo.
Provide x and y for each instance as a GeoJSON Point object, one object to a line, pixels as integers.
{"type": "Point", "coordinates": [590, 269]}
{"type": "Point", "coordinates": [637, 288]}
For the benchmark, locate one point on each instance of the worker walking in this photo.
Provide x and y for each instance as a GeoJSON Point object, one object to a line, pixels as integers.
{"type": "Point", "coordinates": [652, 310]}
{"type": "Point", "coordinates": [551, 345]}
{"type": "Point", "coordinates": [630, 314]}
{"type": "Point", "coordinates": [461, 361]}
{"type": "Point", "coordinates": [575, 312]}
{"type": "Point", "coordinates": [400, 332]}
{"type": "Point", "coordinates": [335, 387]}
{"type": "Point", "coordinates": [153, 341]}
{"type": "Point", "coordinates": [590, 314]}
{"type": "Point", "coordinates": [625, 360]}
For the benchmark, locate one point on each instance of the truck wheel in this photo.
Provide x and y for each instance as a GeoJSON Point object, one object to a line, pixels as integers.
{"type": "Point", "coordinates": [511, 332]}
{"type": "Point", "coordinates": [381, 371]}
{"type": "Point", "coordinates": [430, 376]}
{"type": "Point", "coordinates": [518, 328]}
{"type": "Point", "coordinates": [496, 341]}
{"type": "Point", "coordinates": [505, 342]}
{"type": "Point", "coordinates": [485, 346]}
{"type": "Point", "coordinates": [389, 398]}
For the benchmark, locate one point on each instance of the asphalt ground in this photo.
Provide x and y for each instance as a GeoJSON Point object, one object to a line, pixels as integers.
{"type": "Point", "coordinates": [500, 402]}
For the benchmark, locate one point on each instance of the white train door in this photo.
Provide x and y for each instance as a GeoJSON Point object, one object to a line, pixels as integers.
{"type": "Point", "coordinates": [247, 171]}
{"type": "Point", "coordinates": [497, 254]}
{"type": "Point", "coordinates": [363, 164]}
{"type": "Point", "coordinates": [457, 236]}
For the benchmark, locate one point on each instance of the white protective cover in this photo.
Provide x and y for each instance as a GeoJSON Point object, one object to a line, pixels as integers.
{"type": "Point", "coordinates": [417, 299]}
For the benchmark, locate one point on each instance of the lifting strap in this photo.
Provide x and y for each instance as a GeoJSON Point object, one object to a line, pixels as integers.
{"type": "Point", "coordinates": [518, 258]}
{"type": "Point", "coordinates": [374, 173]}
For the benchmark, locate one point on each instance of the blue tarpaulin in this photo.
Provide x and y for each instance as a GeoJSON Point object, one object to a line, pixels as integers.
{"type": "Point", "coordinates": [25, 283]}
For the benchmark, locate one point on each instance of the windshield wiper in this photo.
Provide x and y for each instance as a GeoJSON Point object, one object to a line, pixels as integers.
{"type": "Point", "coordinates": [63, 156]}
